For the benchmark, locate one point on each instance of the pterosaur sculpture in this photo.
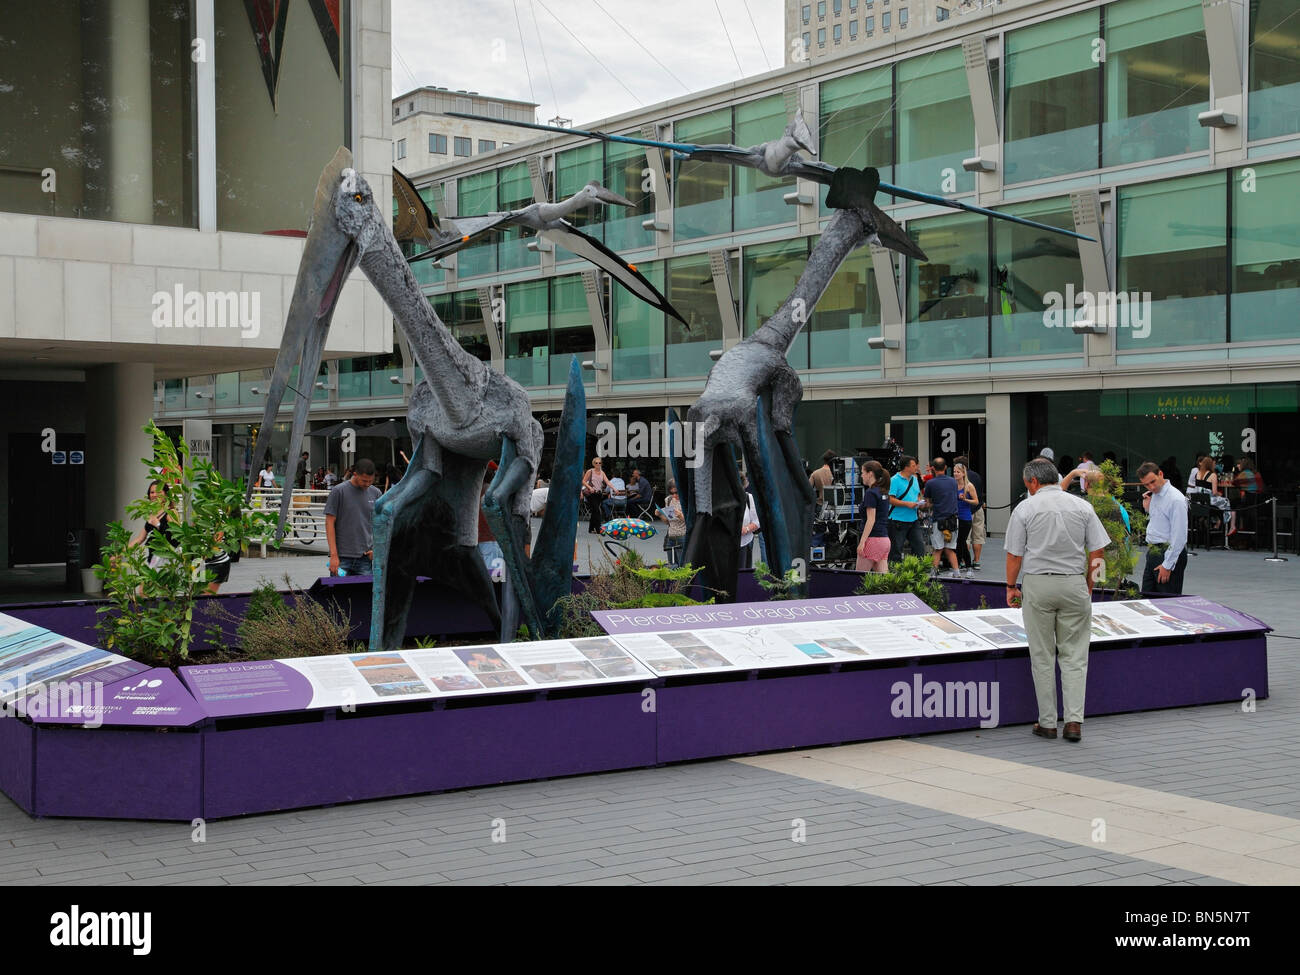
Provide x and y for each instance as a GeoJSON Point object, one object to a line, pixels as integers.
{"type": "Point", "coordinates": [462, 414]}
{"type": "Point", "coordinates": [449, 235]}
{"type": "Point", "coordinates": [750, 396]}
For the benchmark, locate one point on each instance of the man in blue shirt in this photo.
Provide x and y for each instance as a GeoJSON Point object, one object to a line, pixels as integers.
{"type": "Point", "coordinates": [905, 498]}
{"type": "Point", "coordinates": [1166, 532]}
{"type": "Point", "coordinates": [941, 492]}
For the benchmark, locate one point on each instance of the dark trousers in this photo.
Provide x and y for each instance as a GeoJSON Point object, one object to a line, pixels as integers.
{"type": "Point", "coordinates": [1156, 555]}
{"type": "Point", "coordinates": [963, 544]}
{"type": "Point", "coordinates": [909, 532]}
{"type": "Point", "coordinates": [595, 502]}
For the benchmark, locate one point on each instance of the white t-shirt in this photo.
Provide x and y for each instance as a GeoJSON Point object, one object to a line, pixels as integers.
{"type": "Point", "coordinates": [267, 479]}
{"type": "Point", "coordinates": [617, 487]}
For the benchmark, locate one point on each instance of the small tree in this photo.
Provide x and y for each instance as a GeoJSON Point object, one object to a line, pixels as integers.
{"type": "Point", "coordinates": [151, 587]}
{"type": "Point", "coordinates": [912, 574]}
{"type": "Point", "coordinates": [778, 587]}
{"type": "Point", "coordinates": [1121, 554]}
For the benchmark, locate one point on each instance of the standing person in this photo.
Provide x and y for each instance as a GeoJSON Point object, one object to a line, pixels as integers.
{"type": "Point", "coordinates": [748, 528]}
{"type": "Point", "coordinates": [822, 478]}
{"type": "Point", "coordinates": [904, 499]}
{"type": "Point", "coordinates": [1205, 481]}
{"type": "Point", "coordinates": [941, 492]}
{"type": "Point", "coordinates": [977, 511]}
{"type": "Point", "coordinates": [595, 486]}
{"type": "Point", "coordinates": [1053, 540]}
{"type": "Point", "coordinates": [300, 475]}
{"type": "Point", "coordinates": [671, 512]}
{"type": "Point", "coordinates": [875, 546]}
{"type": "Point", "coordinates": [489, 549]}
{"type": "Point", "coordinates": [967, 499]}
{"type": "Point", "coordinates": [1166, 531]}
{"type": "Point", "coordinates": [266, 478]}
{"type": "Point", "coordinates": [331, 478]}
{"type": "Point", "coordinates": [349, 522]}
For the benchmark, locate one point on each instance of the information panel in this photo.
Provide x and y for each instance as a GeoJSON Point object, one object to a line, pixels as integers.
{"type": "Point", "coordinates": [32, 657]}
{"type": "Point", "coordinates": [1124, 620]}
{"type": "Point", "coordinates": [369, 678]}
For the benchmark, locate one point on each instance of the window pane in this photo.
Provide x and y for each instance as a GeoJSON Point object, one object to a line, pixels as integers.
{"type": "Point", "coordinates": [1030, 265]}
{"type": "Point", "coordinates": [947, 298]}
{"type": "Point", "coordinates": [527, 338]}
{"type": "Point", "coordinates": [108, 104]}
{"type": "Point", "coordinates": [759, 200]}
{"type": "Point", "coordinates": [936, 129]}
{"type": "Point", "coordinates": [690, 289]}
{"type": "Point", "coordinates": [570, 326]}
{"type": "Point", "coordinates": [703, 204]}
{"type": "Point", "coordinates": [1274, 68]}
{"type": "Point", "coordinates": [846, 315]}
{"type": "Point", "coordinates": [514, 193]}
{"type": "Point", "coordinates": [477, 195]}
{"type": "Point", "coordinates": [462, 314]}
{"type": "Point", "coordinates": [1266, 253]}
{"type": "Point", "coordinates": [302, 120]}
{"type": "Point", "coordinates": [1173, 244]}
{"type": "Point", "coordinates": [1052, 99]}
{"type": "Point", "coordinates": [574, 168]}
{"type": "Point", "coordinates": [770, 272]}
{"type": "Point", "coordinates": [354, 378]}
{"type": "Point", "coordinates": [625, 174]}
{"type": "Point", "coordinates": [857, 126]}
{"type": "Point", "coordinates": [1157, 80]}
{"type": "Point", "coordinates": [638, 330]}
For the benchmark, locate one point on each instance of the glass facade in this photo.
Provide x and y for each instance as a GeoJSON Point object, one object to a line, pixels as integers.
{"type": "Point", "coordinates": [1053, 98]}
{"type": "Point", "coordinates": [691, 291]}
{"type": "Point", "coordinates": [514, 192]}
{"type": "Point", "coordinates": [463, 315]}
{"type": "Point", "coordinates": [1032, 272]}
{"type": "Point", "coordinates": [476, 195]}
{"type": "Point", "coordinates": [1265, 208]}
{"type": "Point", "coordinates": [769, 273]}
{"type": "Point", "coordinates": [97, 112]}
{"type": "Point", "coordinates": [574, 169]}
{"type": "Point", "coordinates": [702, 190]}
{"type": "Point", "coordinates": [628, 175]}
{"type": "Point", "coordinates": [856, 122]}
{"type": "Point", "coordinates": [1274, 69]}
{"type": "Point", "coordinates": [298, 111]}
{"type": "Point", "coordinates": [638, 330]}
{"type": "Point", "coordinates": [936, 129]}
{"type": "Point", "coordinates": [847, 314]}
{"type": "Point", "coordinates": [1173, 243]}
{"type": "Point", "coordinates": [570, 326]}
{"type": "Point", "coordinates": [1157, 81]}
{"type": "Point", "coordinates": [758, 198]}
{"type": "Point", "coordinates": [527, 333]}
{"type": "Point", "coordinates": [947, 298]}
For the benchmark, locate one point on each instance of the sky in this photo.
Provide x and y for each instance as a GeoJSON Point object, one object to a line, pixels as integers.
{"type": "Point", "coordinates": [583, 60]}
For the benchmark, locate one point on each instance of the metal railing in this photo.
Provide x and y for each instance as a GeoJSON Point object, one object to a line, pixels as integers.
{"type": "Point", "coordinates": [305, 521]}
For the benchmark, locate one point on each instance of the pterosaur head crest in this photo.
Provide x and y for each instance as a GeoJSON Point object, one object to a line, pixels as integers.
{"type": "Point", "coordinates": [355, 211]}
{"type": "Point", "coordinates": [595, 193]}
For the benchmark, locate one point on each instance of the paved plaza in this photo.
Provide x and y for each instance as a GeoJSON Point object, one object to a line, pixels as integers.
{"type": "Point", "coordinates": [1202, 795]}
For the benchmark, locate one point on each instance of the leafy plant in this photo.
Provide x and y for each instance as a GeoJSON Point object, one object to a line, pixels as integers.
{"type": "Point", "coordinates": [425, 643]}
{"type": "Point", "coordinates": [912, 574]}
{"type": "Point", "coordinates": [778, 587]}
{"type": "Point", "coordinates": [625, 584]}
{"type": "Point", "coordinates": [152, 586]}
{"type": "Point", "coordinates": [1121, 554]}
{"type": "Point", "coordinates": [983, 603]}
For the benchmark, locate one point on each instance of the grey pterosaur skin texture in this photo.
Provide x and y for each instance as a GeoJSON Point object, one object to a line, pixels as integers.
{"type": "Point", "coordinates": [749, 400]}
{"type": "Point", "coordinates": [462, 415]}
{"type": "Point", "coordinates": [548, 219]}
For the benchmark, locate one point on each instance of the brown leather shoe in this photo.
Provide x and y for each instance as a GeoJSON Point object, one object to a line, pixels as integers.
{"type": "Point", "coordinates": [1044, 732]}
{"type": "Point", "coordinates": [1073, 731]}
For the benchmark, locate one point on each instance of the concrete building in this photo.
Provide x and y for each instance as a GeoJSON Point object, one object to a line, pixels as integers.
{"type": "Point", "coordinates": [424, 138]}
{"type": "Point", "coordinates": [1175, 143]}
{"type": "Point", "coordinates": [157, 168]}
{"type": "Point", "coordinates": [816, 29]}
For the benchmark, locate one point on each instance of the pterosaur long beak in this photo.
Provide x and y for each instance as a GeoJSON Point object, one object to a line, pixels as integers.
{"type": "Point", "coordinates": [327, 259]}
{"type": "Point", "coordinates": [609, 196]}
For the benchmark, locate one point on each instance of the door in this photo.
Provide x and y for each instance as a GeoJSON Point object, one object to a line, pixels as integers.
{"type": "Point", "coordinates": [954, 436]}
{"type": "Point", "coordinates": [46, 500]}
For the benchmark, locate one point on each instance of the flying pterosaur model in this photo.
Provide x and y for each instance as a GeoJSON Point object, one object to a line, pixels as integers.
{"type": "Point", "coordinates": [447, 235]}
{"type": "Point", "coordinates": [462, 415]}
{"type": "Point", "coordinates": [780, 159]}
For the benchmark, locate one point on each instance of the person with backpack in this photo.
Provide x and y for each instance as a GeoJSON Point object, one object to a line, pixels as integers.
{"type": "Point", "coordinates": [904, 500]}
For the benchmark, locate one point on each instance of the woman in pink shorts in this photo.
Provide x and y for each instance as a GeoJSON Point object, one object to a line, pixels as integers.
{"type": "Point", "coordinates": [873, 550]}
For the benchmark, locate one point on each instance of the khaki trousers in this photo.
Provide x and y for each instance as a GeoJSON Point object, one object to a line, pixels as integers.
{"type": "Point", "coordinates": [1058, 621]}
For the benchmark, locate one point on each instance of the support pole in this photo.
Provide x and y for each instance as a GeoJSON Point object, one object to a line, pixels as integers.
{"type": "Point", "coordinates": [1274, 557]}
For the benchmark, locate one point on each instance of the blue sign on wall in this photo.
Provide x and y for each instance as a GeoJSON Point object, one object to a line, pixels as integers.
{"type": "Point", "coordinates": [76, 457]}
{"type": "Point", "coordinates": [58, 457]}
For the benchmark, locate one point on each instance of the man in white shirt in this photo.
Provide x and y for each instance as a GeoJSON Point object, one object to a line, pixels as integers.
{"type": "Point", "coordinates": [1166, 532]}
{"type": "Point", "coordinates": [616, 505]}
{"type": "Point", "coordinates": [1056, 542]}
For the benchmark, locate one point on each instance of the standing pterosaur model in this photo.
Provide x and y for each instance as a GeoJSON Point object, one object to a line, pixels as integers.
{"type": "Point", "coordinates": [462, 414]}
{"type": "Point", "coordinates": [448, 235]}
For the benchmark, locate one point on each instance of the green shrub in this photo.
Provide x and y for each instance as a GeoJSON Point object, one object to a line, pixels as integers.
{"type": "Point", "coordinates": [626, 584]}
{"type": "Point", "coordinates": [273, 626]}
{"type": "Point", "coordinates": [912, 574]}
{"type": "Point", "coordinates": [788, 586]}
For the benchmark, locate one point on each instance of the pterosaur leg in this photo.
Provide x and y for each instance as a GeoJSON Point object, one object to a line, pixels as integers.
{"type": "Point", "coordinates": [781, 492]}
{"type": "Point", "coordinates": [714, 541]}
{"type": "Point", "coordinates": [512, 476]}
